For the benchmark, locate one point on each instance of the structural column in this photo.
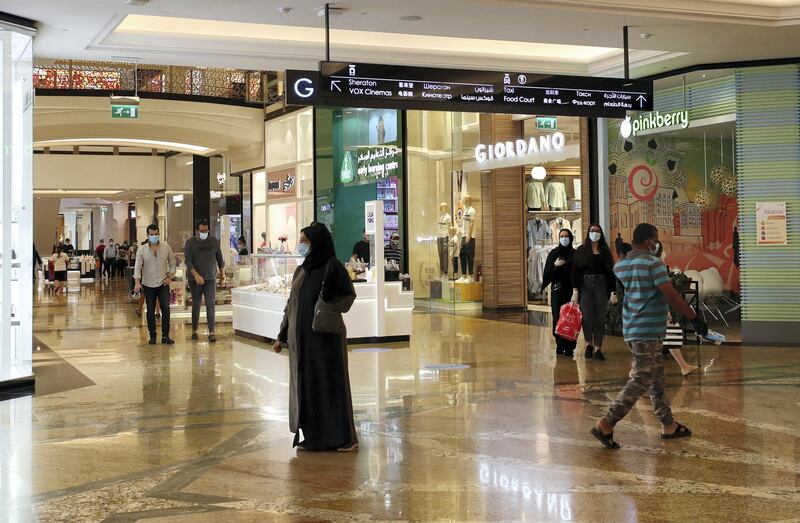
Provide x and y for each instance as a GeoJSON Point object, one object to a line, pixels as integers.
{"type": "Point", "coordinates": [201, 188]}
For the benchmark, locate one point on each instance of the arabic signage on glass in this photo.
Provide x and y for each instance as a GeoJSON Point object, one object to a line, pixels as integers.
{"type": "Point", "coordinates": [376, 85]}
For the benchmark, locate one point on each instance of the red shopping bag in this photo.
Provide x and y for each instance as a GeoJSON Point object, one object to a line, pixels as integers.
{"type": "Point", "coordinates": [569, 323]}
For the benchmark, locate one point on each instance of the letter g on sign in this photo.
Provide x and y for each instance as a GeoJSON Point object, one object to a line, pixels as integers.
{"type": "Point", "coordinates": [303, 87]}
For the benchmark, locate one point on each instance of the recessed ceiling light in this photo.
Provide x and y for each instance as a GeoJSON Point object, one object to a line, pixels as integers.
{"type": "Point", "coordinates": [410, 18]}
{"type": "Point", "coordinates": [137, 3]}
{"type": "Point", "coordinates": [645, 36]}
{"type": "Point", "coordinates": [364, 13]}
{"type": "Point", "coordinates": [332, 11]}
{"type": "Point", "coordinates": [585, 29]}
{"type": "Point", "coordinates": [704, 75]}
{"type": "Point", "coordinates": [284, 10]}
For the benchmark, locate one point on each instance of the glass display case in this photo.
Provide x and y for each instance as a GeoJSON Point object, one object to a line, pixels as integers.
{"type": "Point", "coordinates": [273, 273]}
{"type": "Point", "coordinates": [16, 201]}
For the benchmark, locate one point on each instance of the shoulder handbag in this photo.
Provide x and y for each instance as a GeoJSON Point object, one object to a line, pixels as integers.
{"type": "Point", "coordinates": [328, 315]}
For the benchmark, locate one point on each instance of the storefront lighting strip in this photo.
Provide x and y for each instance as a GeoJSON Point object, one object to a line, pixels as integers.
{"type": "Point", "coordinates": [76, 191]}
{"type": "Point", "coordinates": [129, 142]}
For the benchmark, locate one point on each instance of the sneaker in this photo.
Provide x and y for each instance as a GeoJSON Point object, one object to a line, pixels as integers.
{"type": "Point", "coordinates": [212, 338]}
{"type": "Point", "coordinates": [559, 351]}
{"type": "Point", "coordinates": [598, 355]}
{"type": "Point", "coordinates": [195, 337]}
{"type": "Point", "coordinates": [348, 448]}
{"type": "Point", "coordinates": [152, 340]}
{"type": "Point", "coordinates": [569, 354]}
{"type": "Point", "coordinates": [166, 340]}
{"type": "Point", "coordinates": [589, 352]}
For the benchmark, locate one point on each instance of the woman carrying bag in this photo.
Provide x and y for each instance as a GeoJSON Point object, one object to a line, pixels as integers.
{"type": "Point", "coordinates": [320, 403]}
{"type": "Point", "coordinates": [593, 286]}
{"type": "Point", "coordinates": [558, 275]}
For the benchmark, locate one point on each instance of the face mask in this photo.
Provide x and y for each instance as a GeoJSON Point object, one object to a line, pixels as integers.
{"type": "Point", "coordinates": [204, 235]}
{"type": "Point", "coordinates": [594, 236]}
{"type": "Point", "coordinates": [153, 239]}
{"type": "Point", "coordinates": [303, 248]}
{"type": "Point", "coordinates": [395, 242]}
{"type": "Point", "coordinates": [565, 242]}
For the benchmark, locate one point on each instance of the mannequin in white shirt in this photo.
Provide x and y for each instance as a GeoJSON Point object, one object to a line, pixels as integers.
{"type": "Point", "coordinates": [468, 241]}
{"type": "Point", "coordinates": [442, 235]}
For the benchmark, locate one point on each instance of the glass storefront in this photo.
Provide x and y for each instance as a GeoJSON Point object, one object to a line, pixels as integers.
{"type": "Point", "coordinates": [445, 240]}
{"type": "Point", "coordinates": [359, 155]}
{"type": "Point", "coordinates": [676, 169]}
{"type": "Point", "coordinates": [283, 192]}
{"type": "Point", "coordinates": [16, 202]}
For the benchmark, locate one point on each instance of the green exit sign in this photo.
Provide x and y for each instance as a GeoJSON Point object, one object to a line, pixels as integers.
{"type": "Point", "coordinates": [124, 111]}
{"type": "Point", "coordinates": [546, 123]}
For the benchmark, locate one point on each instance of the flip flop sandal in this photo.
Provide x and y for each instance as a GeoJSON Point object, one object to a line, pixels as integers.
{"type": "Point", "coordinates": [680, 432]}
{"type": "Point", "coordinates": [606, 439]}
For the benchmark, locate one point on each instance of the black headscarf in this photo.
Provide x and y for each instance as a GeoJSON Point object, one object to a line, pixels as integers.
{"type": "Point", "coordinates": [562, 252]}
{"type": "Point", "coordinates": [322, 248]}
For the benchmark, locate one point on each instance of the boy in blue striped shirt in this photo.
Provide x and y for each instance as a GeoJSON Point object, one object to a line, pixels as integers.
{"type": "Point", "coordinates": [648, 295]}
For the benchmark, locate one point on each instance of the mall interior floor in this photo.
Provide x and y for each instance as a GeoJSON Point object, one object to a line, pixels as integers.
{"type": "Point", "coordinates": [123, 431]}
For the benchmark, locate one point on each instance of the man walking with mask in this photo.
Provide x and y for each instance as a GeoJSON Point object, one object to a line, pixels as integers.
{"type": "Point", "coordinates": [203, 262]}
{"type": "Point", "coordinates": [648, 295]}
{"type": "Point", "coordinates": [153, 272]}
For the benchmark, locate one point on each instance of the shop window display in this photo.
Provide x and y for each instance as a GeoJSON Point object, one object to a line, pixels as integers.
{"type": "Point", "coordinates": [445, 227]}
{"type": "Point", "coordinates": [684, 182]}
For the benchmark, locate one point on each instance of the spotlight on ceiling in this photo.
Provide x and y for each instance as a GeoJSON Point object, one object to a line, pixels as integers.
{"type": "Point", "coordinates": [410, 18]}
{"type": "Point", "coordinates": [334, 11]}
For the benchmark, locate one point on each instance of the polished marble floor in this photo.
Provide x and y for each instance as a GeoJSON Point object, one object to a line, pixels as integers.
{"type": "Point", "coordinates": [123, 431]}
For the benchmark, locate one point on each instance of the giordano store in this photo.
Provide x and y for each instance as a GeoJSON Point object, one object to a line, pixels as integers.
{"type": "Point", "coordinates": [716, 167]}
{"type": "Point", "coordinates": [476, 200]}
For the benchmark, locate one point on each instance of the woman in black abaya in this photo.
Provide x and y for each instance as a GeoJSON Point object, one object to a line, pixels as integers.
{"type": "Point", "coordinates": [320, 402]}
{"type": "Point", "coordinates": [558, 275]}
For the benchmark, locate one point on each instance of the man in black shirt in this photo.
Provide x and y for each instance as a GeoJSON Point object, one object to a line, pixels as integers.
{"type": "Point", "coordinates": [361, 250]}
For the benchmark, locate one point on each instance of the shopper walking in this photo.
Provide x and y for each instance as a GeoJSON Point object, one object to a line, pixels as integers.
{"type": "Point", "coordinates": [122, 258]}
{"type": "Point", "coordinates": [153, 272]}
{"type": "Point", "coordinates": [648, 296]}
{"type": "Point", "coordinates": [37, 261]}
{"type": "Point", "coordinates": [110, 258]}
{"type": "Point", "coordinates": [320, 402]}
{"type": "Point", "coordinates": [204, 261]}
{"type": "Point", "coordinates": [99, 254]}
{"type": "Point", "coordinates": [60, 263]}
{"type": "Point", "coordinates": [593, 286]}
{"type": "Point", "coordinates": [558, 275]}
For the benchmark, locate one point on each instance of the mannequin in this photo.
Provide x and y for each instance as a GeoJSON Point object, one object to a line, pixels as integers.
{"type": "Point", "coordinates": [535, 198]}
{"type": "Point", "coordinates": [442, 235]}
{"type": "Point", "coordinates": [468, 241]}
{"type": "Point", "coordinates": [557, 196]}
{"type": "Point", "coordinates": [453, 248]}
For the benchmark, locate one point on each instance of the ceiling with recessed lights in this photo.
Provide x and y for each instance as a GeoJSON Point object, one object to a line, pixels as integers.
{"type": "Point", "coordinates": [567, 36]}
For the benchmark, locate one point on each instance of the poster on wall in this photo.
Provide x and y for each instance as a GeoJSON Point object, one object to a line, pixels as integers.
{"type": "Point", "coordinates": [771, 223]}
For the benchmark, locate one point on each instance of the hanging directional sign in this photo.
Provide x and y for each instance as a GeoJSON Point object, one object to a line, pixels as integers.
{"type": "Point", "coordinates": [376, 85]}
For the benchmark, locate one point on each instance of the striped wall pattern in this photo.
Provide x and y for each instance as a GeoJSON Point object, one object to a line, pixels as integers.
{"type": "Point", "coordinates": [704, 99]}
{"type": "Point", "coordinates": [768, 170]}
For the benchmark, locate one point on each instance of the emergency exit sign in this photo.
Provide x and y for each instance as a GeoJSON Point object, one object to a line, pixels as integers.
{"type": "Point", "coordinates": [546, 123]}
{"type": "Point", "coordinates": [125, 111]}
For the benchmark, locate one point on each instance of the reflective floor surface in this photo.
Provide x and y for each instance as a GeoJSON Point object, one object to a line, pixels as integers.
{"type": "Point", "coordinates": [123, 431]}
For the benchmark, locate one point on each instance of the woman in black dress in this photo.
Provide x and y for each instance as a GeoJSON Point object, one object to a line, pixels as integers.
{"type": "Point", "coordinates": [594, 285]}
{"type": "Point", "coordinates": [558, 275]}
{"type": "Point", "coordinates": [320, 402]}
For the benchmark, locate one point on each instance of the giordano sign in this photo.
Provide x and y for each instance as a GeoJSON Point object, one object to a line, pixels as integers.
{"type": "Point", "coordinates": [653, 121]}
{"type": "Point", "coordinates": [520, 148]}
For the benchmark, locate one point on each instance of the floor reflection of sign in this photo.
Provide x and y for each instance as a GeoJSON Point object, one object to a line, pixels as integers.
{"type": "Point", "coordinates": [771, 223]}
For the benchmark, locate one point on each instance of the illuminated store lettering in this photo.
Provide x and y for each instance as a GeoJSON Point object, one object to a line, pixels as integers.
{"type": "Point", "coordinates": [521, 148]}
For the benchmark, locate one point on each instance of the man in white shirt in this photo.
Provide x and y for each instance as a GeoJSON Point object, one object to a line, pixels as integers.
{"type": "Point", "coordinates": [110, 261]}
{"type": "Point", "coordinates": [153, 272]}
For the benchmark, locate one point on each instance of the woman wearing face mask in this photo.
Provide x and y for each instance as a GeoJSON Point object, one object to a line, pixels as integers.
{"type": "Point", "coordinates": [319, 384]}
{"type": "Point", "coordinates": [593, 285]}
{"type": "Point", "coordinates": [558, 274]}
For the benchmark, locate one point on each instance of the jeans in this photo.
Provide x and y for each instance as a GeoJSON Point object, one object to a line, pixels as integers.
{"type": "Point", "coordinates": [467, 256]}
{"type": "Point", "coordinates": [647, 374]}
{"type": "Point", "coordinates": [209, 291]}
{"type": "Point", "coordinates": [108, 266]}
{"type": "Point", "coordinates": [151, 294]}
{"type": "Point", "coordinates": [594, 307]}
{"type": "Point", "coordinates": [441, 245]}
